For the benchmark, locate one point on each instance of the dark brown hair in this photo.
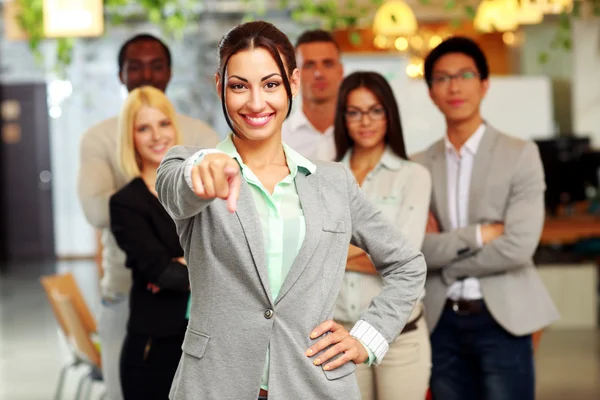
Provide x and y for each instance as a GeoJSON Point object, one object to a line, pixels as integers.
{"type": "Point", "coordinates": [379, 86]}
{"type": "Point", "coordinates": [252, 35]}
{"type": "Point", "coordinates": [316, 36]}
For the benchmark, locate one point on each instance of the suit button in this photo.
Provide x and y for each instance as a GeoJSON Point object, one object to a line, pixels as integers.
{"type": "Point", "coordinates": [268, 313]}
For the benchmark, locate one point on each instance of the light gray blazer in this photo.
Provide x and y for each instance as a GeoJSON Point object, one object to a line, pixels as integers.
{"type": "Point", "coordinates": [230, 324]}
{"type": "Point", "coordinates": [507, 185]}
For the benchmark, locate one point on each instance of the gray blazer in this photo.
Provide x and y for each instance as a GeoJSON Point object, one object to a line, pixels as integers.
{"type": "Point", "coordinates": [507, 185]}
{"type": "Point", "coordinates": [233, 317]}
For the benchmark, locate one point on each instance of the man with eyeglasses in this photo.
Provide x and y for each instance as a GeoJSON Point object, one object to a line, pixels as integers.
{"type": "Point", "coordinates": [484, 298]}
{"type": "Point", "coordinates": [309, 130]}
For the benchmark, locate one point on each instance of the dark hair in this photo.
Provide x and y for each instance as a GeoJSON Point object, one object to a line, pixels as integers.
{"type": "Point", "coordinates": [316, 36]}
{"type": "Point", "coordinates": [380, 87]}
{"type": "Point", "coordinates": [144, 37]}
{"type": "Point", "coordinates": [457, 44]}
{"type": "Point", "coordinates": [252, 35]}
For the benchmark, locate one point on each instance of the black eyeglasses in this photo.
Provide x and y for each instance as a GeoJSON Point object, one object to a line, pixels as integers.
{"type": "Point", "coordinates": [460, 77]}
{"type": "Point", "coordinates": [376, 113]}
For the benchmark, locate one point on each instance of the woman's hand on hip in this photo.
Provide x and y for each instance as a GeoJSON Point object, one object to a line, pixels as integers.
{"type": "Point", "coordinates": [338, 341]}
{"type": "Point", "coordinates": [217, 176]}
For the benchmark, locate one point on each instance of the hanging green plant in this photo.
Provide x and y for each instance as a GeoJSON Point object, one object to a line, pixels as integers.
{"type": "Point", "coordinates": [171, 16]}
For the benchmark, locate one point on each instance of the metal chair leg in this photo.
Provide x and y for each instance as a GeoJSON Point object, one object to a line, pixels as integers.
{"type": "Point", "coordinates": [88, 393]}
{"type": "Point", "coordinates": [61, 379]}
{"type": "Point", "coordinates": [61, 382]}
{"type": "Point", "coordinates": [82, 382]}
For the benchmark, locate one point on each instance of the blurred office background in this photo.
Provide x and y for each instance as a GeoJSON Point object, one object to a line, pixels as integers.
{"type": "Point", "coordinates": [544, 87]}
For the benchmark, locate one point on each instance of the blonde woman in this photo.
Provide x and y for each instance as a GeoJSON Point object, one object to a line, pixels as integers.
{"type": "Point", "coordinates": [160, 292]}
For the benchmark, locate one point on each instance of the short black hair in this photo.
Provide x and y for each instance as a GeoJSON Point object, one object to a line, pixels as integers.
{"type": "Point", "coordinates": [457, 44]}
{"type": "Point", "coordinates": [143, 37]}
{"type": "Point", "coordinates": [316, 36]}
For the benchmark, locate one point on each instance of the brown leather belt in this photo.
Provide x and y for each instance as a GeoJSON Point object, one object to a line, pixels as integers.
{"type": "Point", "coordinates": [263, 393]}
{"type": "Point", "coordinates": [412, 325]}
{"type": "Point", "coordinates": [465, 307]}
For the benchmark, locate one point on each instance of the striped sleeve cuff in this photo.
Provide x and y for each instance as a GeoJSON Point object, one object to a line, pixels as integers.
{"type": "Point", "coordinates": [371, 339]}
{"type": "Point", "coordinates": [194, 160]}
{"type": "Point", "coordinates": [478, 236]}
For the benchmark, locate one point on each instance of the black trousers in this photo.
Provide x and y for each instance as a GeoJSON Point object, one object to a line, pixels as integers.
{"type": "Point", "coordinates": [148, 365]}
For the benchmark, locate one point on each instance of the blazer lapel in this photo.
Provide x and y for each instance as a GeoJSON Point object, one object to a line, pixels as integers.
{"type": "Point", "coordinates": [246, 213]}
{"type": "Point", "coordinates": [440, 185]}
{"type": "Point", "coordinates": [310, 200]}
{"type": "Point", "coordinates": [481, 171]}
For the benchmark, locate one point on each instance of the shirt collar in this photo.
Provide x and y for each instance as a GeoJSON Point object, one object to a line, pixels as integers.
{"type": "Point", "coordinates": [299, 120]}
{"type": "Point", "coordinates": [295, 161]}
{"type": "Point", "coordinates": [389, 159]}
{"type": "Point", "coordinates": [472, 144]}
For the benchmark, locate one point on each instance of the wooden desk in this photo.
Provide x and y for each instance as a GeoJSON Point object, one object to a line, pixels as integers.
{"type": "Point", "coordinates": [570, 229]}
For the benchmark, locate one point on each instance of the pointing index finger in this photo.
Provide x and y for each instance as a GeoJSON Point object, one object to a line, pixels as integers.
{"type": "Point", "coordinates": [232, 171]}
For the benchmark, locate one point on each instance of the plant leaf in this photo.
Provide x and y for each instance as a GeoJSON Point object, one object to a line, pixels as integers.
{"type": "Point", "coordinates": [450, 5]}
{"type": "Point", "coordinates": [565, 21]}
{"type": "Point", "coordinates": [355, 38]}
{"type": "Point", "coordinates": [470, 11]}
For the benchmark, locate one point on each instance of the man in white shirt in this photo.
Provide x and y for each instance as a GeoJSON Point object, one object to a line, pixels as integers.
{"type": "Point", "coordinates": [484, 297]}
{"type": "Point", "coordinates": [309, 130]}
{"type": "Point", "coordinates": [143, 60]}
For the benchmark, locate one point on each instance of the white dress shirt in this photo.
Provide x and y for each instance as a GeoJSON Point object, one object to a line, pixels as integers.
{"type": "Point", "coordinates": [302, 136]}
{"type": "Point", "coordinates": [459, 168]}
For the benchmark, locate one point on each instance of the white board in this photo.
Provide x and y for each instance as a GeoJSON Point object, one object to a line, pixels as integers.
{"type": "Point", "coordinates": [518, 106]}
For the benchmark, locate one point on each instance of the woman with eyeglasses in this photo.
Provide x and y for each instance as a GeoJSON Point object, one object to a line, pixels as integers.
{"type": "Point", "coordinates": [368, 138]}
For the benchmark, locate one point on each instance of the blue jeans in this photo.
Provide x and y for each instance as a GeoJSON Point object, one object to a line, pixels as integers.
{"type": "Point", "coordinates": [474, 358]}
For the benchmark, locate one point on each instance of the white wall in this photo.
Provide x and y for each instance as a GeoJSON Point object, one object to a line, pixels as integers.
{"type": "Point", "coordinates": [519, 106]}
{"type": "Point", "coordinates": [559, 68]}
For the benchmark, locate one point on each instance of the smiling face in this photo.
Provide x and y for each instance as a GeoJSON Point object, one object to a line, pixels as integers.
{"type": "Point", "coordinates": [145, 64]}
{"type": "Point", "coordinates": [456, 88]}
{"type": "Point", "coordinates": [365, 118]}
{"type": "Point", "coordinates": [255, 95]}
{"type": "Point", "coordinates": [154, 134]}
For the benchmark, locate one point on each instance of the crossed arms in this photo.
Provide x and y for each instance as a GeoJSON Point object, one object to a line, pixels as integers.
{"type": "Point", "coordinates": [506, 245]}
